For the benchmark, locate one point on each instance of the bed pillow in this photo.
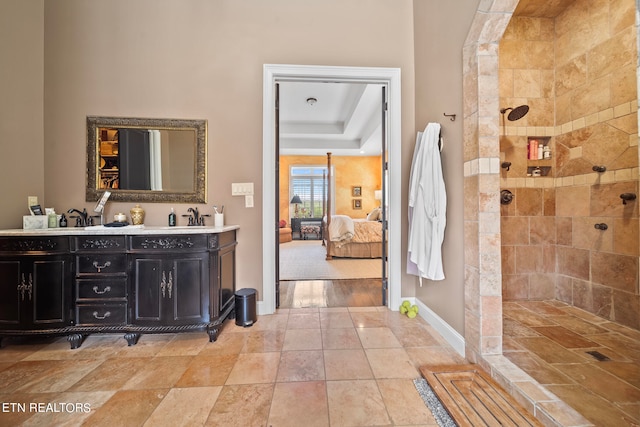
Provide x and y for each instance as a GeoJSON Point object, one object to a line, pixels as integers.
{"type": "Point", "coordinates": [374, 215]}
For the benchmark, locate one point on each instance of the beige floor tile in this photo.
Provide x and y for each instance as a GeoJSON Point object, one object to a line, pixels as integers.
{"type": "Point", "coordinates": [378, 338]}
{"type": "Point", "coordinates": [83, 405]}
{"type": "Point", "coordinates": [304, 320]}
{"type": "Point", "coordinates": [127, 408]}
{"type": "Point", "coordinates": [254, 368]}
{"type": "Point", "coordinates": [602, 383]}
{"type": "Point", "coordinates": [171, 410]}
{"type": "Point", "coordinates": [160, 372]}
{"type": "Point", "coordinates": [230, 343]}
{"type": "Point", "coordinates": [356, 403]}
{"type": "Point", "coordinates": [369, 319]}
{"type": "Point", "coordinates": [14, 350]}
{"type": "Point", "coordinates": [302, 339]}
{"type": "Point", "coordinates": [404, 404]}
{"type": "Point", "coordinates": [311, 408]}
{"type": "Point", "coordinates": [433, 356]}
{"type": "Point", "coordinates": [301, 365]}
{"type": "Point", "coordinates": [332, 320]}
{"type": "Point", "coordinates": [549, 351]}
{"type": "Point", "coordinates": [264, 341]}
{"type": "Point", "coordinates": [188, 344]}
{"type": "Point", "coordinates": [59, 375]}
{"type": "Point", "coordinates": [347, 365]}
{"type": "Point", "coordinates": [242, 406]}
{"type": "Point", "coordinates": [415, 336]}
{"type": "Point", "coordinates": [208, 370]}
{"type": "Point", "coordinates": [596, 409]}
{"type": "Point", "coordinates": [112, 374]}
{"type": "Point", "coordinates": [344, 338]}
{"type": "Point", "coordinates": [391, 363]}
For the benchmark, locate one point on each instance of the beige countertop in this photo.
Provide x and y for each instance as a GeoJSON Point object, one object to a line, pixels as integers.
{"type": "Point", "coordinates": [127, 230]}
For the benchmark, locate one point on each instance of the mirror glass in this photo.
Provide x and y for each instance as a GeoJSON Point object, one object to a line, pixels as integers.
{"type": "Point", "coordinates": [146, 160]}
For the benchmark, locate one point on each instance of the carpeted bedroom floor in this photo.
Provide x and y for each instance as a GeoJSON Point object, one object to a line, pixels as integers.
{"type": "Point", "coordinates": [305, 260]}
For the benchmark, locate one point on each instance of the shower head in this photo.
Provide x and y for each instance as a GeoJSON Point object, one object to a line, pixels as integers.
{"type": "Point", "coordinates": [515, 113]}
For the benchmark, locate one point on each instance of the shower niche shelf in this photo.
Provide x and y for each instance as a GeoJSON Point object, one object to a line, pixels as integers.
{"type": "Point", "coordinates": [544, 170]}
{"type": "Point", "coordinates": [532, 156]}
{"type": "Point", "coordinates": [538, 166]}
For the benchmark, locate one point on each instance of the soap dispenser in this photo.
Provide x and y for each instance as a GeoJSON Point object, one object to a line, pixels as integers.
{"type": "Point", "coordinates": [63, 220]}
{"type": "Point", "coordinates": [172, 218]}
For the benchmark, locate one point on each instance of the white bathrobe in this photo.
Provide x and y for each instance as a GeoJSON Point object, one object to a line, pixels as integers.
{"type": "Point", "coordinates": [427, 207]}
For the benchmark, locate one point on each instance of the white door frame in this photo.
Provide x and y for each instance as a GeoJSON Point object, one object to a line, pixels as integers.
{"type": "Point", "coordinates": [273, 73]}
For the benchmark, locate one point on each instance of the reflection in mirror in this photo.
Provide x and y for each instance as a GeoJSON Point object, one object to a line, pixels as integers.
{"type": "Point", "coordinates": [154, 160]}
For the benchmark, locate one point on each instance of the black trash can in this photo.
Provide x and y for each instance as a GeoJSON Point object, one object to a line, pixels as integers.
{"type": "Point", "coordinates": [246, 307]}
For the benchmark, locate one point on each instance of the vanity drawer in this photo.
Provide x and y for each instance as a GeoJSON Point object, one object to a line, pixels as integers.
{"type": "Point", "coordinates": [101, 264]}
{"type": "Point", "coordinates": [101, 314]}
{"type": "Point", "coordinates": [99, 243]}
{"type": "Point", "coordinates": [101, 289]}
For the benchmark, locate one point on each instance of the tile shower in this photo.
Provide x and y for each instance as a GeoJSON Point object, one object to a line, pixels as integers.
{"type": "Point", "coordinates": [577, 73]}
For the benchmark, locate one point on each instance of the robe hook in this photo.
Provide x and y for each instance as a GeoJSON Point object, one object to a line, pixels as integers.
{"type": "Point", "coordinates": [452, 117]}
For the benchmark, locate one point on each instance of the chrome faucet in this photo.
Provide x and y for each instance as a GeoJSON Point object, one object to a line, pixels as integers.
{"type": "Point", "coordinates": [82, 219]}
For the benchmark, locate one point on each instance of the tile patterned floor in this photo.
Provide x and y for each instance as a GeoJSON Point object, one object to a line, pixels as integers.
{"type": "Point", "coordinates": [312, 367]}
{"type": "Point", "coordinates": [551, 341]}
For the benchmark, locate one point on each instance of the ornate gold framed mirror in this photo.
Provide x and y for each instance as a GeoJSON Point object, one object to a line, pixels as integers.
{"type": "Point", "coordinates": [147, 160]}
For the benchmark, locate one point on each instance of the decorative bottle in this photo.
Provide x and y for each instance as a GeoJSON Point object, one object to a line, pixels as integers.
{"type": "Point", "coordinates": [172, 218]}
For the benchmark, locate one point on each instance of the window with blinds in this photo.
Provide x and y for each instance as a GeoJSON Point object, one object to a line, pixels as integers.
{"type": "Point", "coordinates": [307, 183]}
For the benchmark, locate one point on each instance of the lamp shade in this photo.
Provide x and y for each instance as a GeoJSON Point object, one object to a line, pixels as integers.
{"type": "Point", "coordinates": [295, 200]}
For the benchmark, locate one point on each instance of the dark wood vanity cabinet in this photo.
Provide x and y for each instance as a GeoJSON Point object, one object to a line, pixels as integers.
{"type": "Point", "coordinates": [140, 283]}
{"type": "Point", "coordinates": [34, 284]}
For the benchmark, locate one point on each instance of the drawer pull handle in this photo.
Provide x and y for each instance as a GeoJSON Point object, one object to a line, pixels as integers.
{"type": "Point", "coordinates": [106, 314]}
{"type": "Point", "coordinates": [106, 289]}
{"type": "Point", "coordinates": [100, 267]}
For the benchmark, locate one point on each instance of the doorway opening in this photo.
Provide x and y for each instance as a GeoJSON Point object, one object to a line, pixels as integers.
{"type": "Point", "coordinates": [277, 74]}
{"type": "Point", "coordinates": [345, 119]}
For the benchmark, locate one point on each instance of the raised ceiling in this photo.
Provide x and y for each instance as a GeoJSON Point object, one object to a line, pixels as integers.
{"type": "Point", "coordinates": [345, 119]}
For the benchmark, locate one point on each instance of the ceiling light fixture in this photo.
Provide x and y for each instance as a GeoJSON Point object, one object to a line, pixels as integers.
{"type": "Point", "coordinates": [311, 101]}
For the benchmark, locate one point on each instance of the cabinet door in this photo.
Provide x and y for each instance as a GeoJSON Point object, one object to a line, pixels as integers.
{"type": "Point", "coordinates": [171, 290]}
{"type": "Point", "coordinates": [188, 295]}
{"type": "Point", "coordinates": [10, 285]}
{"type": "Point", "coordinates": [147, 281]}
{"type": "Point", "coordinates": [35, 291]}
{"type": "Point", "coordinates": [49, 289]}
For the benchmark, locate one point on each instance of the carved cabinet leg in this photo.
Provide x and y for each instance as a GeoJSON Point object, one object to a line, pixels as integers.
{"type": "Point", "coordinates": [132, 338]}
{"type": "Point", "coordinates": [75, 340]}
{"type": "Point", "coordinates": [213, 334]}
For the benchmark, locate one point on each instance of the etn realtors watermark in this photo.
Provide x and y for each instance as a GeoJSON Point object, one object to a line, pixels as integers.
{"type": "Point", "coordinates": [52, 407]}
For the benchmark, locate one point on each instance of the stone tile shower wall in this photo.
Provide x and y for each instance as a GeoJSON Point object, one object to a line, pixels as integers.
{"type": "Point", "coordinates": [577, 72]}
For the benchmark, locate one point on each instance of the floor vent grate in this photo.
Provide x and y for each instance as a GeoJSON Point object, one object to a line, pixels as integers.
{"type": "Point", "coordinates": [601, 357]}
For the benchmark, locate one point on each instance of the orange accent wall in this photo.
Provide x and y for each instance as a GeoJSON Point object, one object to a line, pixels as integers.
{"type": "Point", "coordinates": [365, 172]}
